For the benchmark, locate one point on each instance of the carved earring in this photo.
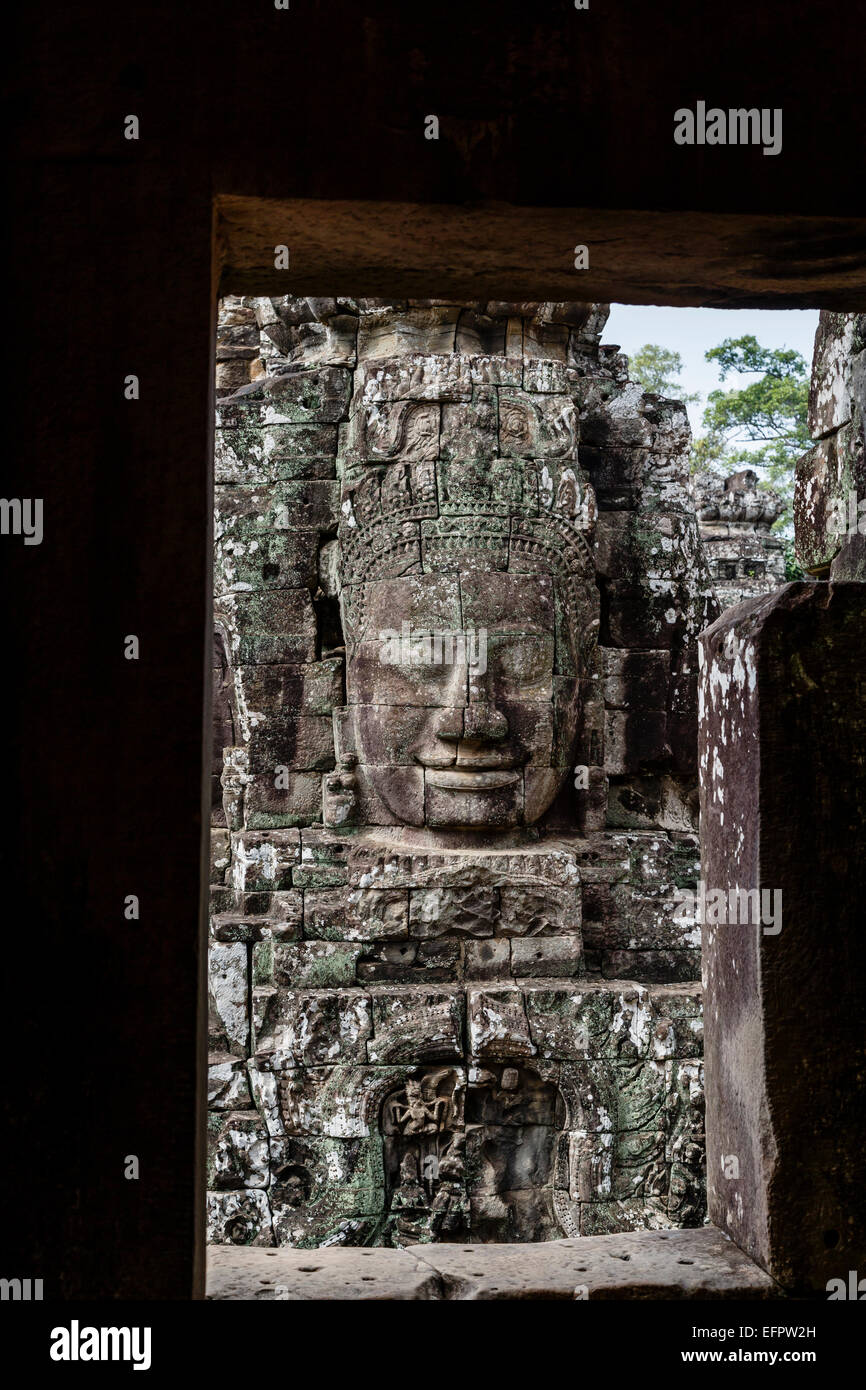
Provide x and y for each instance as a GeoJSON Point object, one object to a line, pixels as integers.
{"type": "Point", "coordinates": [340, 794]}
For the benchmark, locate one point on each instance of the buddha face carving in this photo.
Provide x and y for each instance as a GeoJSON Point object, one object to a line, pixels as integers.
{"type": "Point", "coordinates": [465, 695]}
{"type": "Point", "coordinates": [468, 597]}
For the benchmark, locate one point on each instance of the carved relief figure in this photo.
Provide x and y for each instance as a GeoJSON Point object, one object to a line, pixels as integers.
{"type": "Point", "coordinates": [421, 1127]}
{"type": "Point", "coordinates": [419, 1115]}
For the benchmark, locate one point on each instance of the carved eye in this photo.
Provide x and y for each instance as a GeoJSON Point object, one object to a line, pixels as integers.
{"type": "Point", "coordinates": [519, 663]}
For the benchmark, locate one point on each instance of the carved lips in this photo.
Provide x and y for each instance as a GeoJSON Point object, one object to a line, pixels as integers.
{"type": "Point", "coordinates": [478, 780]}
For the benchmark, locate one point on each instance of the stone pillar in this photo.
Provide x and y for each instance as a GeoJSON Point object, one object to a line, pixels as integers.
{"type": "Point", "coordinates": [782, 751]}
{"type": "Point", "coordinates": [830, 492]}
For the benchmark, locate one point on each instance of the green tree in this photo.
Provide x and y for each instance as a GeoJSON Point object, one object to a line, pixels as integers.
{"type": "Point", "coordinates": [761, 424]}
{"type": "Point", "coordinates": [657, 369]}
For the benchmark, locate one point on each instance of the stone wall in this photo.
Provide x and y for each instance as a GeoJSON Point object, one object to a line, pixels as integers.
{"type": "Point", "coordinates": [735, 515]}
{"type": "Point", "coordinates": [453, 993]}
{"type": "Point", "coordinates": [830, 496]}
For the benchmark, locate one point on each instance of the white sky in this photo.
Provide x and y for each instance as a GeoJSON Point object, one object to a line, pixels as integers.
{"type": "Point", "coordinates": [690, 332]}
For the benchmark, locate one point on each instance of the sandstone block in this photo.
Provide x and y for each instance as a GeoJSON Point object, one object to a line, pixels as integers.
{"type": "Point", "coordinates": [417, 1025]}
{"type": "Point", "coordinates": [239, 1218]}
{"type": "Point", "coordinates": [497, 1024]}
{"type": "Point", "coordinates": [238, 1153]}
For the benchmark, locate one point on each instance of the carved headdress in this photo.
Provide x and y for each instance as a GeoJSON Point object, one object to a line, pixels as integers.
{"type": "Point", "coordinates": [516, 514]}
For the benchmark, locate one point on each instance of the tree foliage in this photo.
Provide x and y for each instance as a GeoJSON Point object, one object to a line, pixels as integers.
{"type": "Point", "coordinates": [656, 369]}
{"type": "Point", "coordinates": [758, 423]}
{"type": "Point", "coordinates": [761, 424]}
{"type": "Point", "coordinates": [769, 412]}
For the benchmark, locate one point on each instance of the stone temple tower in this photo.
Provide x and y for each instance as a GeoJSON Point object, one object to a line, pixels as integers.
{"type": "Point", "coordinates": [454, 985]}
{"type": "Point", "coordinates": [735, 515]}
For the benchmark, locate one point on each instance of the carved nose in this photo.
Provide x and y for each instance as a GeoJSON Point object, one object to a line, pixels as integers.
{"type": "Point", "coordinates": [449, 725]}
{"type": "Point", "coordinates": [485, 723]}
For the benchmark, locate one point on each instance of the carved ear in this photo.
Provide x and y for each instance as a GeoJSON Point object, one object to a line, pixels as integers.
{"type": "Point", "coordinates": [345, 735]}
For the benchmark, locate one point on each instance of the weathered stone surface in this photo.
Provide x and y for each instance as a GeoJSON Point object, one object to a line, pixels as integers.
{"type": "Point", "coordinates": [227, 1082]}
{"type": "Point", "coordinates": [277, 799]}
{"type": "Point", "coordinates": [384, 334]}
{"type": "Point", "coordinates": [393, 861]}
{"type": "Point", "coordinates": [247, 450]}
{"type": "Point", "coordinates": [323, 860]}
{"type": "Point", "coordinates": [323, 1190]}
{"type": "Point", "coordinates": [220, 855]}
{"type": "Point", "coordinates": [264, 860]}
{"type": "Point", "coordinates": [435, 911]}
{"type": "Point", "coordinates": [364, 914]}
{"type": "Point", "coordinates": [221, 898]}
{"type": "Point", "coordinates": [549, 955]}
{"type": "Point", "coordinates": [635, 743]}
{"type": "Point", "coordinates": [295, 1275]}
{"type": "Point", "coordinates": [470, 429]}
{"type": "Point", "coordinates": [312, 1027]}
{"type": "Point", "coordinates": [251, 561]}
{"type": "Point", "coordinates": [275, 695]}
{"type": "Point", "coordinates": [416, 1025]}
{"type": "Point", "coordinates": [305, 964]}
{"type": "Point", "coordinates": [651, 966]}
{"type": "Point", "coordinates": [420, 962]}
{"type": "Point", "coordinates": [227, 997]}
{"type": "Point", "coordinates": [836, 386]}
{"type": "Point", "coordinates": [304, 742]}
{"type": "Point", "coordinates": [238, 1152]}
{"type": "Point", "coordinates": [735, 516]}
{"type": "Point", "coordinates": [260, 916]}
{"type": "Point", "coordinates": [783, 812]}
{"type": "Point", "coordinates": [635, 678]}
{"type": "Point", "coordinates": [648, 1265]}
{"type": "Point", "coordinates": [830, 490]}
{"type": "Point", "coordinates": [497, 1024]}
{"type": "Point", "coordinates": [241, 1217]}
{"type": "Point", "coordinates": [305, 396]}
{"type": "Point", "coordinates": [275, 626]}
{"type": "Point", "coordinates": [620, 415]}
{"type": "Point", "coordinates": [830, 487]}
{"type": "Point", "coordinates": [283, 925]}
{"type": "Point", "coordinates": [487, 959]}
{"type": "Point", "coordinates": [434, 641]}
{"type": "Point", "coordinates": [849, 566]}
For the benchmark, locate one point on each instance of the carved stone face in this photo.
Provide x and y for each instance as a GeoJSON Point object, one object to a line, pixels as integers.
{"type": "Point", "coordinates": [465, 695]}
